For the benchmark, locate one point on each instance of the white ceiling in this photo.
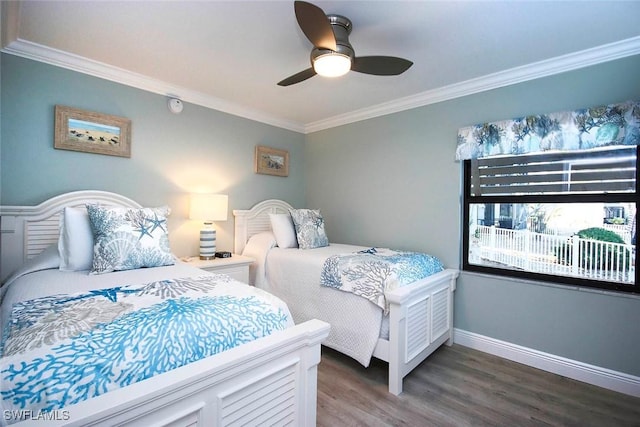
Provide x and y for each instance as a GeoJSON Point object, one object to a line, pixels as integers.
{"type": "Point", "coordinates": [229, 55]}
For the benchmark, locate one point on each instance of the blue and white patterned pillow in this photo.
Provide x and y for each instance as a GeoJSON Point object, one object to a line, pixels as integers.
{"type": "Point", "coordinates": [309, 226]}
{"type": "Point", "coordinates": [127, 238]}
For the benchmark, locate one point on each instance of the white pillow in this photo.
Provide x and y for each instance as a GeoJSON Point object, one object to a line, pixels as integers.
{"type": "Point", "coordinates": [75, 245]}
{"type": "Point", "coordinates": [283, 229]}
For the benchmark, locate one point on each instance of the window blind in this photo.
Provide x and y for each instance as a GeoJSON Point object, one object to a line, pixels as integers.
{"type": "Point", "coordinates": [611, 170]}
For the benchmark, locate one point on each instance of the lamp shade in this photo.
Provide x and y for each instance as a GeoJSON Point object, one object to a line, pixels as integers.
{"type": "Point", "coordinates": [209, 207]}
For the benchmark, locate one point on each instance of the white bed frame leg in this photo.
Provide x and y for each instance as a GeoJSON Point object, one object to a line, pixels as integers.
{"type": "Point", "coordinates": [308, 403]}
{"type": "Point", "coordinates": [397, 319]}
{"type": "Point", "coordinates": [452, 287]}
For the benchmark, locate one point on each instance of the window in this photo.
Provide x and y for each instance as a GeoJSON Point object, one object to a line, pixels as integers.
{"type": "Point", "coordinates": [566, 217]}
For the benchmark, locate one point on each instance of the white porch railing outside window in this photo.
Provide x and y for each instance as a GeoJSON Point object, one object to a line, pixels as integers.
{"type": "Point", "coordinates": [623, 231]}
{"type": "Point", "coordinates": [552, 254]}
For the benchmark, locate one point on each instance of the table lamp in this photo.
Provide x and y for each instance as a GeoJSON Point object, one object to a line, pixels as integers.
{"type": "Point", "coordinates": [208, 208]}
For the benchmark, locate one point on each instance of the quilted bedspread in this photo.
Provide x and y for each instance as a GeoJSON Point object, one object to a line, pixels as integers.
{"type": "Point", "coordinates": [59, 350]}
{"type": "Point", "coordinates": [370, 273]}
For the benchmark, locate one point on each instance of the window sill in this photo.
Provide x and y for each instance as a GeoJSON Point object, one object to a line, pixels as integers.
{"type": "Point", "coordinates": [552, 285]}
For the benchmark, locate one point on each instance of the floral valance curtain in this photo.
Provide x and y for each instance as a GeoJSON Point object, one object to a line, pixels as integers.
{"type": "Point", "coordinates": [616, 124]}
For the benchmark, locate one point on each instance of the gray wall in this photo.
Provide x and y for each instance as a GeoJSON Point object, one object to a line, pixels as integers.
{"type": "Point", "coordinates": [393, 181]}
{"type": "Point", "coordinates": [171, 155]}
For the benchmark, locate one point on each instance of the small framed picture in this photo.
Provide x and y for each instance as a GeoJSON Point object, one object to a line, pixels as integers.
{"type": "Point", "coordinates": [271, 161]}
{"type": "Point", "coordinates": [90, 132]}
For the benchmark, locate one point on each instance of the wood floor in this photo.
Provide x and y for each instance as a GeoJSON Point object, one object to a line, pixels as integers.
{"type": "Point", "coordinates": [458, 386]}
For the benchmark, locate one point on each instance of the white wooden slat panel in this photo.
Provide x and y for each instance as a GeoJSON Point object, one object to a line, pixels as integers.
{"type": "Point", "coordinates": [189, 420]}
{"type": "Point", "coordinates": [418, 329]}
{"type": "Point", "coordinates": [268, 401]}
{"type": "Point", "coordinates": [259, 225]}
{"type": "Point", "coordinates": [262, 222]}
{"type": "Point", "coordinates": [40, 235]}
{"type": "Point", "coordinates": [440, 313]}
{"type": "Point", "coordinates": [258, 395]}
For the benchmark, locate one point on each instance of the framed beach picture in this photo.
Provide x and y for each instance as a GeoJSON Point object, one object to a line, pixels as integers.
{"type": "Point", "coordinates": [80, 130]}
{"type": "Point", "coordinates": [271, 161]}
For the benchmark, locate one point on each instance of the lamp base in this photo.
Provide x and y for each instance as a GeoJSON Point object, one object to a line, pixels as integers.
{"type": "Point", "coordinates": [208, 242]}
{"type": "Point", "coordinates": [207, 258]}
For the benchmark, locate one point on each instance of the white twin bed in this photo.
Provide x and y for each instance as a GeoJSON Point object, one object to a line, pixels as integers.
{"type": "Point", "coordinates": [420, 314]}
{"type": "Point", "coordinates": [100, 349]}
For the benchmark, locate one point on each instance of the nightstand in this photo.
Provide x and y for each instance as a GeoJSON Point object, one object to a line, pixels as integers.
{"type": "Point", "coordinates": [237, 266]}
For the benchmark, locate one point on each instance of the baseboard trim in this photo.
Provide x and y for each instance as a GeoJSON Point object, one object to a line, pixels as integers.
{"type": "Point", "coordinates": [595, 375]}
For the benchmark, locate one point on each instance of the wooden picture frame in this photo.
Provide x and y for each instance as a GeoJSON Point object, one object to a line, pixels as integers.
{"type": "Point", "coordinates": [271, 161]}
{"type": "Point", "coordinates": [90, 132]}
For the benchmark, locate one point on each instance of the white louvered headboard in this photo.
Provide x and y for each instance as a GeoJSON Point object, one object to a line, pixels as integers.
{"type": "Point", "coordinates": [25, 231]}
{"type": "Point", "coordinates": [255, 220]}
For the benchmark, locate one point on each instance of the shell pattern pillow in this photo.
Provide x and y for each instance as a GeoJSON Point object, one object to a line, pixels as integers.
{"type": "Point", "coordinates": [128, 238]}
{"type": "Point", "coordinates": [309, 226]}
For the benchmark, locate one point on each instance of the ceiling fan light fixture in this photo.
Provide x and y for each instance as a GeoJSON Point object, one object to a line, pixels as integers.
{"type": "Point", "coordinates": [332, 54]}
{"type": "Point", "coordinates": [332, 64]}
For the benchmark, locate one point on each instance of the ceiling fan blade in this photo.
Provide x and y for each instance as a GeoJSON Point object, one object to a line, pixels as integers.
{"type": "Point", "coordinates": [298, 77]}
{"type": "Point", "coordinates": [380, 65]}
{"type": "Point", "coordinates": [315, 25]}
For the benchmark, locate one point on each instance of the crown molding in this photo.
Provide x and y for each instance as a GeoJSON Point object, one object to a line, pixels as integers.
{"type": "Point", "coordinates": [101, 70]}
{"type": "Point", "coordinates": [536, 70]}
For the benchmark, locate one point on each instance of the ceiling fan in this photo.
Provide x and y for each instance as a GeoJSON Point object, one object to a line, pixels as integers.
{"type": "Point", "coordinates": [332, 54]}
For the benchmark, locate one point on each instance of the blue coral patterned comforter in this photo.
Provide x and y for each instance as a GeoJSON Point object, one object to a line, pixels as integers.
{"type": "Point", "coordinates": [63, 349]}
{"type": "Point", "coordinates": [372, 272]}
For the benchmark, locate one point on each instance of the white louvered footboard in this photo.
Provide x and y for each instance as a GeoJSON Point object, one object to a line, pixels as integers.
{"type": "Point", "coordinates": [420, 321]}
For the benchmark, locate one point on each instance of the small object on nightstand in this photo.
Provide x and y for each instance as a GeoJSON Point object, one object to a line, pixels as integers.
{"type": "Point", "coordinates": [223, 254]}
